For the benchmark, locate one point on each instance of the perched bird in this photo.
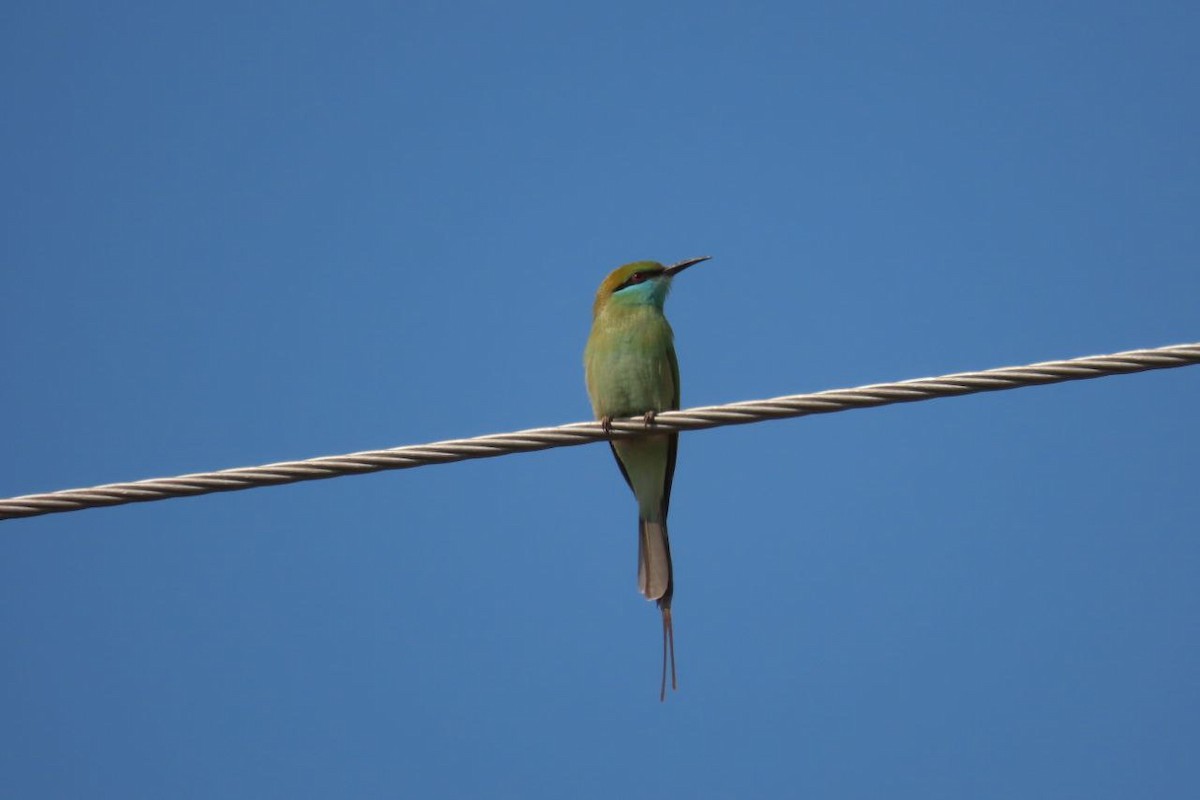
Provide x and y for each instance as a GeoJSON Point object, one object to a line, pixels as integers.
{"type": "Point", "coordinates": [631, 370]}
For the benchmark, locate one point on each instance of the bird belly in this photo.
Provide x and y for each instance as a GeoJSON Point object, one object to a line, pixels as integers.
{"type": "Point", "coordinates": [630, 385]}
{"type": "Point", "coordinates": [629, 371]}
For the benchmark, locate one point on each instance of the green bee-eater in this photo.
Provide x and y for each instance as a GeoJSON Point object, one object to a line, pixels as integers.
{"type": "Point", "coordinates": [631, 370]}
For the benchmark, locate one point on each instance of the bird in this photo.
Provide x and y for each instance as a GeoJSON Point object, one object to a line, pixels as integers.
{"type": "Point", "coordinates": [631, 370]}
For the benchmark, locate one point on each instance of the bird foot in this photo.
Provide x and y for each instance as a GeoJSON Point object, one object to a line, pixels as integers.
{"type": "Point", "coordinates": [606, 423]}
{"type": "Point", "coordinates": [648, 418]}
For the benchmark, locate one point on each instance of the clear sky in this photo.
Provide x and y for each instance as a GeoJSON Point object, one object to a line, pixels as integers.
{"type": "Point", "coordinates": [240, 233]}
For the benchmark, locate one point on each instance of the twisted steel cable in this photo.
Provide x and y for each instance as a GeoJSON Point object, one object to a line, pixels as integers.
{"type": "Point", "coordinates": [826, 402]}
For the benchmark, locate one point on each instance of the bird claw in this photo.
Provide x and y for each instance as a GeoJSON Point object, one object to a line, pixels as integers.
{"type": "Point", "coordinates": [606, 422]}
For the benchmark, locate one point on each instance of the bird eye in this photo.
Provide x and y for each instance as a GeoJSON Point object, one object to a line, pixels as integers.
{"type": "Point", "coordinates": [638, 277]}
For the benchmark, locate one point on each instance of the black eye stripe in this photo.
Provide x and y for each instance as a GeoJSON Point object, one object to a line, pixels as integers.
{"type": "Point", "coordinates": [640, 277]}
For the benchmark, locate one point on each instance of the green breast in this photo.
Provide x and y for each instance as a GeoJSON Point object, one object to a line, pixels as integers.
{"type": "Point", "coordinates": [630, 364]}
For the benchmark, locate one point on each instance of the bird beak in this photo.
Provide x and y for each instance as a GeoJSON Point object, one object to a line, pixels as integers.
{"type": "Point", "coordinates": [675, 269]}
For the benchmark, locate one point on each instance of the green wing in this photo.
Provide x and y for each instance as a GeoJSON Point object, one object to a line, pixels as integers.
{"type": "Point", "coordinates": [672, 439]}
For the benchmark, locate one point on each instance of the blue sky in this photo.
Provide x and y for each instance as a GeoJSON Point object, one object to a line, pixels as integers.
{"type": "Point", "coordinates": [238, 235]}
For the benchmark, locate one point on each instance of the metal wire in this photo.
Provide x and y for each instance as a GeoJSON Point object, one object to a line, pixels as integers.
{"type": "Point", "coordinates": [827, 402]}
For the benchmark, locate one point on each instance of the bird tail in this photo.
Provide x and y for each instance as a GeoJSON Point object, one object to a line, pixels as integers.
{"type": "Point", "coordinates": [656, 582]}
{"type": "Point", "coordinates": [654, 560]}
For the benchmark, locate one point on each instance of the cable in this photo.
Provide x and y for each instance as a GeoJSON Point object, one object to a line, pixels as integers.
{"type": "Point", "coordinates": [827, 402]}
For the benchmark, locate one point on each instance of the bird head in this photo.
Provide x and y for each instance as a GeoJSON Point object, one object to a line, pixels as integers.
{"type": "Point", "coordinates": [640, 283]}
